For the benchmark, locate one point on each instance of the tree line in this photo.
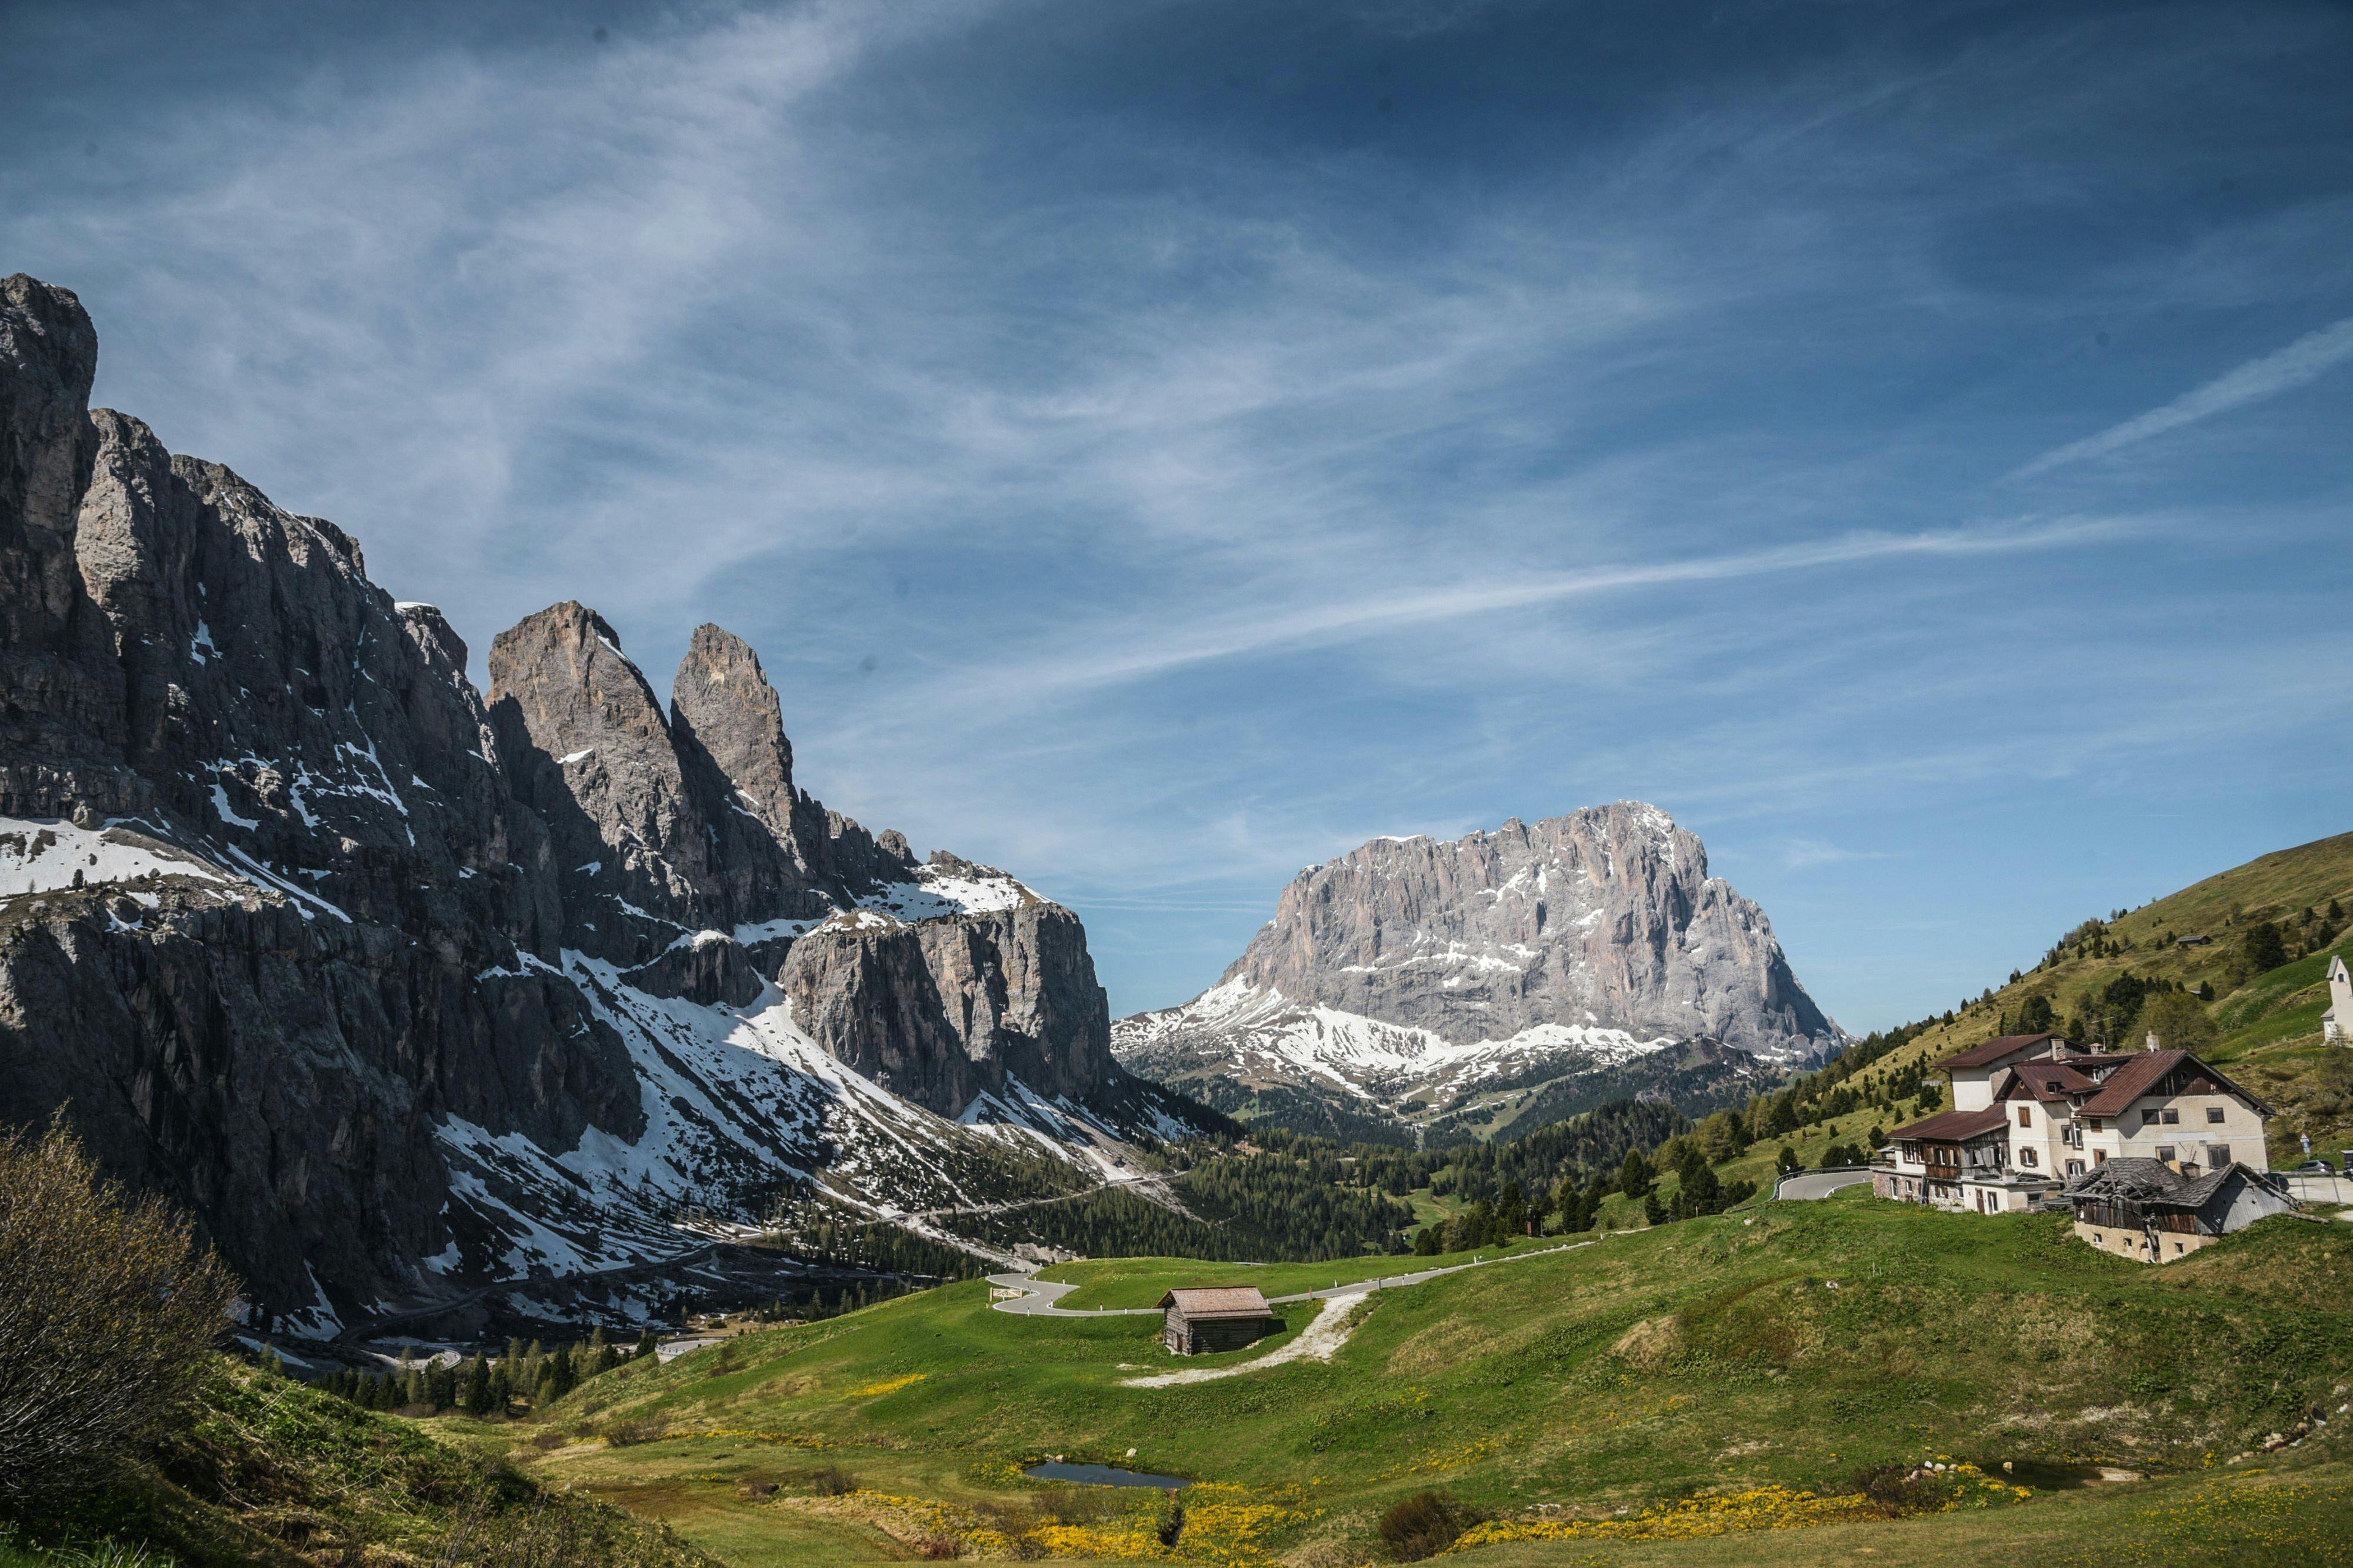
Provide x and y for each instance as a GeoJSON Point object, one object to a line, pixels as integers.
{"type": "Point", "coordinates": [531, 1376]}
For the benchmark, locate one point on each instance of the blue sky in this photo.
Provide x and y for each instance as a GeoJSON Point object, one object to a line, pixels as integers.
{"type": "Point", "coordinates": [1157, 447]}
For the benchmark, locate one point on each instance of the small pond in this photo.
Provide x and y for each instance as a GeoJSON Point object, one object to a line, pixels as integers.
{"type": "Point", "coordinates": [1103, 1476]}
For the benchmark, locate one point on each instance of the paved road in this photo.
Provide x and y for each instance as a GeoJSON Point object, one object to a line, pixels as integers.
{"type": "Point", "coordinates": [1819, 1184]}
{"type": "Point", "coordinates": [1039, 1301]}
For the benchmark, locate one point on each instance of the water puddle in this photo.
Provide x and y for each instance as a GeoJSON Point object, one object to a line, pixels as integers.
{"type": "Point", "coordinates": [1103, 1476]}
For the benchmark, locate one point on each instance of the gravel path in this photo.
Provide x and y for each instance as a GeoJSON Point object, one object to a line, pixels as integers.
{"type": "Point", "coordinates": [1042, 1295]}
{"type": "Point", "coordinates": [1317, 1342]}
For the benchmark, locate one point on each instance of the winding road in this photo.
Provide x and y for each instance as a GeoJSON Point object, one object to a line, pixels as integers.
{"type": "Point", "coordinates": [1044, 1295]}
{"type": "Point", "coordinates": [1803, 1184]}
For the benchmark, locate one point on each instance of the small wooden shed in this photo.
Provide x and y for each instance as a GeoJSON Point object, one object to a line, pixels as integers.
{"type": "Point", "coordinates": [1224, 1318]}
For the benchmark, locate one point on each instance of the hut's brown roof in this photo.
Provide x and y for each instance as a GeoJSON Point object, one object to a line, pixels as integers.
{"type": "Point", "coordinates": [2051, 1080]}
{"type": "Point", "coordinates": [1956, 1125]}
{"type": "Point", "coordinates": [1220, 1301]}
{"type": "Point", "coordinates": [2130, 1081]}
{"type": "Point", "coordinates": [2153, 1182]}
{"type": "Point", "coordinates": [1993, 1051]}
{"type": "Point", "coordinates": [2143, 1070]}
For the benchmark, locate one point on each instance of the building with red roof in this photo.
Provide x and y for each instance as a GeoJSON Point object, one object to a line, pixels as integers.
{"type": "Point", "coordinates": [2031, 1118]}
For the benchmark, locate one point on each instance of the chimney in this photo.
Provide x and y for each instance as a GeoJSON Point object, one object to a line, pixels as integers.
{"type": "Point", "coordinates": [2151, 1044]}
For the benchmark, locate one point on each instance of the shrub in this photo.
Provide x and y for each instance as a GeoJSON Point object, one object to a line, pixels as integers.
{"type": "Point", "coordinates": [1424, 1525]}
{"type": "Point", "coordinates": [1897, 1488]}
{"type": "Point", "coordinates": [110, 1313]}
{"type": "Point", "coordinates": [833, 1480]}
{"type": "Point", "coordinates": [938, 1547]}
{"type": "Point", "coordinates": [627, 1434]}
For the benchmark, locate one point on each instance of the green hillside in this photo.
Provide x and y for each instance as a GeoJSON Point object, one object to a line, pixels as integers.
{"type": "Point", "coordinates": [1739, 1359]}
{"type": "Point", "coordinates": [264, 1470]}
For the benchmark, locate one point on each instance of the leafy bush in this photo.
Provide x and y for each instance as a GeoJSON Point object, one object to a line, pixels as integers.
{"type": "Point", "coordinates": [1424, 1525]}
{"type": "Point", "coordinates": [1897, 1488]}
{"type": "Point", "coordinates": [833, 1480]}
{"type": "Point", "coordinates": [627, 1434]}
{"type": "Point", "coordinates": [108, 1322]}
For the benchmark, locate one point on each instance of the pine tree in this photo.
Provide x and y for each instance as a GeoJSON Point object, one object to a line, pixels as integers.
{"type": "Point", "coordinates": [1653, 1211]}
{"type": "Point", "coordinates": [477, 1394]}
{"type": "Point", "coordinates": [1511, 1216]}
{"type": "Point", "coordinates": [602, 1357]}
{"type": "Point", "coordinates": [648, 1344]}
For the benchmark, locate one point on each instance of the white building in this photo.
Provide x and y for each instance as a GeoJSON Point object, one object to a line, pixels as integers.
{"type": "Point", "coordinates": [2029, 1117]}
{"type": "Point", "coordinates": [2337, 1024]}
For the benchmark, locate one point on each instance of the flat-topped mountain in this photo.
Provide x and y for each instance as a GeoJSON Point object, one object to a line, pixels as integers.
{"type": "Point", "coordinates": [404, 991]}
{"type": "Point", "coordinates": [1412, 978]}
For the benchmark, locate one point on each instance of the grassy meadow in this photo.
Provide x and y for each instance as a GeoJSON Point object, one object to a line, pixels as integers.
{"type": "Point", "coordinates": [1140, 1281]}
{"type": "Point", "coordinates": [1629, 1400]}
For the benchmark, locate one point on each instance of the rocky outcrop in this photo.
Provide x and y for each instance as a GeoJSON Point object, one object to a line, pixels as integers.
{"type": "Point", "coordinates": [946, 1009]}
{"type": "Point", "coordinates": [399, 989]}
{"type": "Point", "coordinates": [60, 712]}
{"type": "Point", "coordinates": [1465, 981]}
{"type": "Point", "coordinates": [1605, 917]}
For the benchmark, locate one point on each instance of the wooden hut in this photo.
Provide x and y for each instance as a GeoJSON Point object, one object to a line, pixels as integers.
{"type": "Point", "coordinates": [1224, 1318]}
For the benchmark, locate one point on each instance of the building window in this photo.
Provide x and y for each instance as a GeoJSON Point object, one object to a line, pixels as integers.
{"type": "Point", "coordinates": [2099, 1156]}
{"type": "Point", "coordinates": [2027, 1157]}
{"type": "Point", "coordinates": [2218, 1155]}
{"type": "Point", "coordinates": [2165, 1152]}
{"type": "Point", "coordinates": [2074, 1167]}
{"type": "Point", "coordinates": [2099, 1123]}
{"type": "Point", "coordinates": [2170, 1117]}
{"type": "Point", "coordinates": [2215, 1115]}
{"type": "Point", "coordinates": [2026, 1116]}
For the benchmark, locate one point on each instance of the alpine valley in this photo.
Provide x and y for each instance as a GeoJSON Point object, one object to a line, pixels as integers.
{"type": "Point", "coordinates": [1484, 986]}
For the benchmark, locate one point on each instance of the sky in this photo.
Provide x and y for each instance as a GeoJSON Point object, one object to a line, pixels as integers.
{"type": "Point", "coordinates": [1158, 447]}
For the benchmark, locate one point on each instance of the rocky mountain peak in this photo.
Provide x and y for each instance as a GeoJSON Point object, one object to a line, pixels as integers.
{"type": "Point", "coordinates": [1606, 916]}
{"type": "Point", "coordinates": [722, 701]}
{"type": "Point", "coordinates": [591, 751]}
{"type": "Point", "coordinates": [1417, 969]}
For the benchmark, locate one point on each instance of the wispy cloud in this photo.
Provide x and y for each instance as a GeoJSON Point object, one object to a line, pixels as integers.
{"type": "Point", "coordinates": [2307, 358]}
{"type": "Point", "coordinates": [1290, 625]}
{"type": "Point", "coordinates": [1155, 456]}
{"type": "Point", "coordinates": [1799, 854]}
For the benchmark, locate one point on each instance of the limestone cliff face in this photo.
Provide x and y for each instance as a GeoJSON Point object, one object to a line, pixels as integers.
{"type": "Point", "coordinates": [391, 984]}
{"type": "Point", "coordinates": [1604, 917]}
{"type": "Point", "coordinates": [948, 1008]}
{"type": "Point", "coordinates": [61, 714]}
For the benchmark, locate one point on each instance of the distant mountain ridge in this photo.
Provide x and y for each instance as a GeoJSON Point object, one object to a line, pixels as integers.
{"type": "Point", "coordinates": [1414, 978]}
